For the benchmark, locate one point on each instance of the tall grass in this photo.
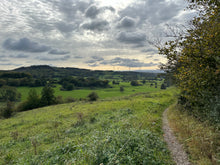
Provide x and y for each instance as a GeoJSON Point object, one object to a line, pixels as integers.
{"type": "Point", "coordinates": [201, 140]}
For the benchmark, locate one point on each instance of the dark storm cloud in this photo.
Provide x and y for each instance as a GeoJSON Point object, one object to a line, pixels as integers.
{"type": "Point", "coordinates": [137, 38]}
{"type": "Point", "coordinates": [126, 22]}
{"type": "Point", "coordinates": [127, 62]}
{"type": "Point", "coordinates": [58, 52]}
{"type": "Point", "coordinates": [96, 25]}
{"type": "Point", "coordinates": [24, 44]}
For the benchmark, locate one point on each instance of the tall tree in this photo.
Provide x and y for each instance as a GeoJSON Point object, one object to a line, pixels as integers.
{"type": "Point", "coordinates": [194, 60]}
{"type": "Point", "coordinates": [47, 96]}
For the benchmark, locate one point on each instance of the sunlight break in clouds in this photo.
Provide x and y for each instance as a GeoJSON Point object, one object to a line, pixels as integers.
{"type": "Point", "coordinates": [70, 33]}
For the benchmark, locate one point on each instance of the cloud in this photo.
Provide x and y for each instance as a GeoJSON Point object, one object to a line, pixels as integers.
{"type": "Point", "coordinates": [127, 62]}
{"type": "Point", "coordinates": [70, 9]}
{"type": "Point", "coordinates": [24, 44]}
{"type": "Point", "coordinates": [58, 52]}
{"type": "Point", "coordinates": [78, 57]}
{"type": "Point", "coordinates": [137, 38]}
{"type": "Point", "coordinates": [97, 25]}
{"type": "Point", "coordinates": [156, 59]}
{"type": "Point", "coordinates": [126, 22]}
{"type": "Point", "coordinates": [97, 58]}
{"type": "Point", "coordinates": [46, 58]}
{"type": "Point", "coordinates": [93, 11]}
{"type": "Point", "coordinates": [95, 61]}
{"type": "Point", "coordinates": [150, 50]}
{"type": "Point", "coordinates": [93, 30]}
{"type": "Point", "coordinates": [90, 61]}
{"type": "Point", "coordinates": [19, 56]}
{"type": "Point", "coordinates": [65, 27]}
{"type": "Point", "coordinates": [155, 12]}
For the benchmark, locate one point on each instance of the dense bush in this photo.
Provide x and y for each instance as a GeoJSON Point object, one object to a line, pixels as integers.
{"type": "Point", "coordinates": [9, 94]}
{"type": "Point", "coordinates": [194, 60]}
{"type": "Point", "coordinates": [68, 83]}
{"type": "Point", "coordinates": [134, 83]}
{"type": "Point", "coordinates": [7, 111]}
{"type": "Point", "coordinates": [93, 96]}
{"type": "Point", "coordinates": [32, 102]}
{"type": "Point", "coordinates": [163, 86]}
{"type": "Point", "coordinates": [47, 96]}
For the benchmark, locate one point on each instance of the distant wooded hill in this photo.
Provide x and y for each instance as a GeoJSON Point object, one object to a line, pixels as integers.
{"type": "Point", "coordinates": [42, 74]}
{"type": "Point", "coordinates": [45, 71]}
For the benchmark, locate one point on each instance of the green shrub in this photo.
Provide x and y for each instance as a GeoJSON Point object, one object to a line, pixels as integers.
{"type": "Point", "coordinates": [7, 111]}
{"type": "Point", "coordinates": [47, 96]}
{"type": "Point", "coordinates": [134, 83]}
{"type": "Point", "coordinates": [93, 96]}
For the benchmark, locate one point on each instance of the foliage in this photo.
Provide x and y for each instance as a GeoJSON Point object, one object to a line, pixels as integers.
{"type": "Point", "coordinates": [122, 89]}
{"type": "Point", "coordinates": [194, 60]}
{"type": "Point", "coordinates": [163, 86]}
{"type": "Point", "coordinates": [7, 111]}
{"type": "Point", "coordinates": [68, 83]}
{"type": "Point", "coordinates": [93, 96]}
{"type": "Point", "coordinates": [32, 102]}
{"type": "Point", "coordinates": [47, 96]}
{"type": "Point", "coordinates": [134, 83]}
{"type": "Point", "coordinates": [45, 72]}
{"type": "Point", "coordinates": [9, 94]}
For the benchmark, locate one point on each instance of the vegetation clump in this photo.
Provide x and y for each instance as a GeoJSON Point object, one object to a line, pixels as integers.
{"type": "Point", "coordinates": [93, 96]}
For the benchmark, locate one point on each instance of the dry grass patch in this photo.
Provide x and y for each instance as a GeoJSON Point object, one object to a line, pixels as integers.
{"type": "Point", "coordinates": [201, 140]}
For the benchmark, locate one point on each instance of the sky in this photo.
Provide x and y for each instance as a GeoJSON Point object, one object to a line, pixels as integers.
{"type": "Point", "coordinates": [91, 34]}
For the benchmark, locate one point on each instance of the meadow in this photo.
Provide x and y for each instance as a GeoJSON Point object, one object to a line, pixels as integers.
{"type": "Point", "coordinates": [103, 93]}
{"type": "Point", "coordinates": [113, 130]}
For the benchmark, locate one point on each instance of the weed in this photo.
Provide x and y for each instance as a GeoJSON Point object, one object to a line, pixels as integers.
{"type": "Point", "coordinates": [14, 135]}
{"type": "Point", "coordinates": [8, 159]}
{"type": "Point", "coordinates": [80, 119]}
{"type": "Point", "coordinates": [35, 144]}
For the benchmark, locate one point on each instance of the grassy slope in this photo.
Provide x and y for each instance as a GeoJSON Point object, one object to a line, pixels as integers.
{"type": "Point", "coordinates": [201, 140]}
{"type": "Point", "coordinates": [118, 131]}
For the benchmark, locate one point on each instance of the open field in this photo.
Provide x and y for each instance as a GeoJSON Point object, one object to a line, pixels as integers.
{"type": "Point", "coordinates": [102, 92]}
{"type": "Point", "coordinates": [122, 130]}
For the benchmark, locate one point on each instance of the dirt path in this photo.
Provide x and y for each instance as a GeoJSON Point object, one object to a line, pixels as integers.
{"type": "Point", "coordinates": [178, 154]}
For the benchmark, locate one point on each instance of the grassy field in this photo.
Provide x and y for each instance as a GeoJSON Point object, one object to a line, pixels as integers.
{"type": "Point", "coordinates": [122, 130]}
{"type": "Point", "coordinates": [102, 92]}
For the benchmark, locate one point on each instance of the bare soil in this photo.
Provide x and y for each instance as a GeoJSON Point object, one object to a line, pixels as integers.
{"type": "Point", "coordinates": [176, 149]}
